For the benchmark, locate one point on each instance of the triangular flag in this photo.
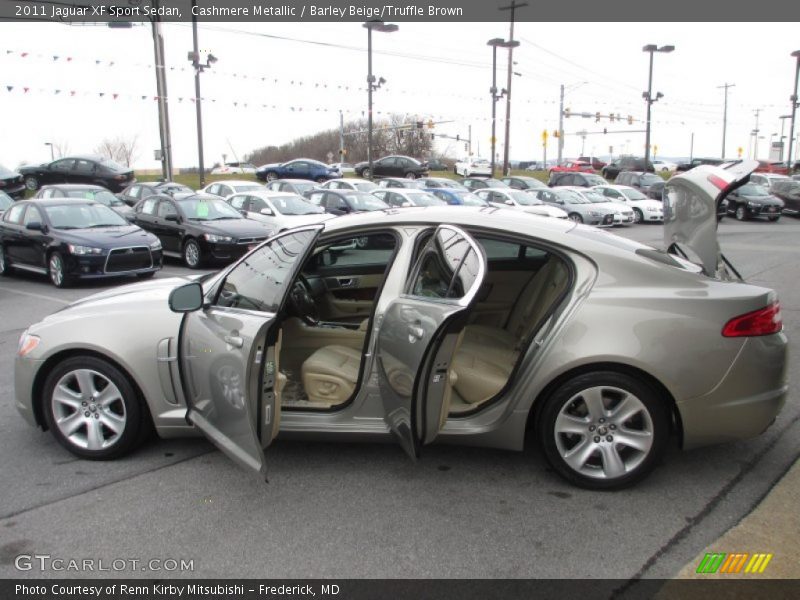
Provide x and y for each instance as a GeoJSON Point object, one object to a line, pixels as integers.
{"type": "Point", "coordinates": [26, 90]}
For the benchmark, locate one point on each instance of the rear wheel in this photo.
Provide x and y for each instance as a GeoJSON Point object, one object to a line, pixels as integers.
{"type": "Point", "coordinates": [320, 180]}
{"type": "Point", "coordinates": [92, 408]}
{"type": "Point", "coordinates": [411, 176]}
{"type": "Point", "coordinates": [365, 174]}
{"type": "Point", "coordinates": [58, 271]}
{"type": "Point", "coordinates": [575, 217]}
{"type": "Point", "coordinates": [741, 213]}
{"type": "Point", "coordinates": [604, 430]}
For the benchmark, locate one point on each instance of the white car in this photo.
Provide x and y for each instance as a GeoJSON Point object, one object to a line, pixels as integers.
{"type": "Point", "coordinates": [351, 183]}
{"type": "Point", "coordinates": [472, 167]}
{"type": "Point", "coordinates": [664, 166]}
{"type": "Point", "coordinates": [646, 210]}
{"type": "Point", "coordinates": [234, 168]}
{"type": "Point", "coordinates": [623, 215]}
{"type": "Point", "coordinates": [223, 189]}
{"type": "Point", "coordinates": [280, 210]}
{"type": "Point", "coordinates": [520, 200]}
{"type": "Point", "coordinates": [766, 180]}
{"type": "Point", "coordinates": [401, 198]}
{"type": "Point", "coordinates": [343, 168]}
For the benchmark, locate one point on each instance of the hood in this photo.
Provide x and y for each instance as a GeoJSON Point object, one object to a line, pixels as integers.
{"type": "Point", "coordinates": [235, 227]}
{"type": "Point", "coordinates": [690, 212]}
{"type": "Point", "coordinates": [300, 220]}
{"type": "Point", "coordinates": [109, 237]}
{"type": "Point", "coordinates": [613, 207]}
{"type": "Point", "coordinates": [546, 210]}
{"type": "Point", "coordinates": [269, 166]}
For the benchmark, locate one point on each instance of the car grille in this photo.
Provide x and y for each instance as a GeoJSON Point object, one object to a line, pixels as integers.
{"type": "Point", "coordinates": [251, 240]}
{"type": "Point", "coordinates": [121, 260]}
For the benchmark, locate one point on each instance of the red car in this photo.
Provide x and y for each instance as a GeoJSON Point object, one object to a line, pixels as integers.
{"type": "Point", "coordinates": [779, 168]}
{"type": "Point", "coordinates": [572, 165]}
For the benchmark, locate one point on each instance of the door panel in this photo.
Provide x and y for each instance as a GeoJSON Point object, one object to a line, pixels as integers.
{"type": "Point", "coordinates": [419, 333]}
{"type": "Point", "coordinates": [350, 297]}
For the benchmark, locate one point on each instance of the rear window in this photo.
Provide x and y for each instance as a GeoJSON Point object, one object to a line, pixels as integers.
{"type": "Point", "coordinates": [113, 166]}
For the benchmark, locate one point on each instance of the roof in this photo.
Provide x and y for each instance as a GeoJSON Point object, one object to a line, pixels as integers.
{"type": "Point", "coordinates": [74, 186]}
{"type": "Point", "coordinates": [234, 182]}
{"type": "Point", "coordinates": [59, 201]}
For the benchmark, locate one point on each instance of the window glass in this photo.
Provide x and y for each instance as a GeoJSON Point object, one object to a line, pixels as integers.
{"type": "Point", "coordinates": [260, 280]}
{"type": "Point", "coordinates": [424, 199]}
{"type": "Point", "coordinates": [32, 215]}
{"type": "Point", "coordinates": [496, 249]}
{"type": "Point", "coordinates": [205, 208]}
{"type": "Point", "coordinates": [292, 204]}
{"type": "Point", "coordinates": [83, 167]}
{"type": "Point", "coordinates": [448, 268]}
{"type": "Point", "coordinates": [15, 213]}
{"type": "Point", "coordinates": [82, 216]}
{"type": "Point", "coordinates": [148, 206]}
{"type": "Point", "coordinates": [63, 165]}
{"type": "Point", "coordinates": [237, 202]}
{"type": "Point", "coordinates": [316, 198]}
{"type": "Point", "coordinates": [135, 191]}
{"type": "Point", "coordinates": [5, 201]}
{"type": "Point", "coordinates": [166, 208]}
{"type": "Point", "coordinates": [245, 187]}
{"type": "Point", "coordinates": [257, 204]}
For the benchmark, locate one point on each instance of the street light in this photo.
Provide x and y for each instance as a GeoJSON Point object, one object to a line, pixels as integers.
{"type": "Point", "coordinates": [194, 58]}
{"type": "Point", "coordinates": [496, 43]}
{"type": "Point", "coordinates": [376, 25]}
{"type": "Point", "coordinates": [648, 95]}
{"type": "Point", "coordinates": [793, 99]}
{"type": "Point", "coordinates": [564, 90]}
{"type": "Point", "coordinates": [52, 156]}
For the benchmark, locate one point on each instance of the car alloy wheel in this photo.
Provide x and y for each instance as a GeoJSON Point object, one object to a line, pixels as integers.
{"type": "Point", "coordinates": [411, 176]}
{"type": "Point", "coordinates": [192, 255]}
{"type": "Point", "coordinates": [365, 174]}
{"type": "Point", "coordinates": [92, 409]}
{"type": "Point", "coordinates": [31, 183]}
{"type": "Point", "coordinates": [741, 213]}
{"type": "Point", "coordinates": [271, 176]}
{"type": "Point", "coordinates": [56, 270]}
{"type": "Point", "coordinates": [3, 263]}
{"type": "Point", "coordinates": [604, 430]}
{"type": "Point", "coordinates": [637, 216]}
{"type": "Point", "coordinates": [575, 217]}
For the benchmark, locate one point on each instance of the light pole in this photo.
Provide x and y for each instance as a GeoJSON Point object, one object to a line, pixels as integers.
{"type": "Point", "coordinates": [783, 137]}
{"type": "Point", "coordinates": [648, 96]}
{"type": "Point", "coordinates": [52, 156]}
{"type": "Point", "coordinates": [564, 91]}
{"type": "Point", "coordinates": [725, 114]}
{"type": "Point", "coordinates": [376, 25]}
{"type": "Point", "coordinates": [793, 98]}
{"type": "Point", "coordinates": [512, 44]}
{"type": "Point", "coordinates": [194, 58]}
{"type": "Point", "coordinates": [496, 43]}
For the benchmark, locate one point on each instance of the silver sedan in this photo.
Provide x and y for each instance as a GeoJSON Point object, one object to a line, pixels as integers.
{"type": "Point", "coordinates": [471, 332]}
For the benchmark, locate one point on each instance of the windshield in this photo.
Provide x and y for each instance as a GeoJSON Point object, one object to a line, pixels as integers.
{"type": "Point", "coordinates": [6, 173]}
{"type": "Point", "coordinates": [207, 209]}
{"type": "Point", "coordinates": [362, 201]}
{"type": "Point", "coordinates": [82, 216]}
{"type": "Point", "coordinates": [302, 188]}
{"type": "Point", "coordinates": [5, 201]}
{"type": "Point", "coordinates": [101, 196]}
{"type": "Point", "coordinates": [470, 199]}
{"type": "Point", "coordinates": [364, 186]}
{"type": "Point", "coordinates": [424, 199]}
{"type": "Point", "coordinates": [650, 179]}
{"type": "Point", "coordinates": [247, 187]}
{"type": "Point", "coordinates": [495, 183]}
{"type": "Point", "coordinates": [633, 194]}
{"type": "Point", "coordinates": [753, 189]}
{"type": "Point", "coordinates": [596, 179]}
{"type": "Point", "coordinates": [113, 166]}
{"type": "Point", "coordinates": [525, 199]}
{"type": "Point", "coordinates": [570, 197]}
{"type": "Point", "coordinates": [594, 197]}
{"type": "Point", "coordinates": [172, 188]}
{"type": "Point", "coordinates": [294, 205]}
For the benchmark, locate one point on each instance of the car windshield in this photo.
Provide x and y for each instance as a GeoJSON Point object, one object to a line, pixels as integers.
{"type": "Point", "coordinates": [364, 186]}
{"type": "Point", "coordinates": [571, 197]}
{"type": "Point", "coordinates": [633, 194]}
{"type": "Point", "coordinates": [5, 201]}
{"type": "Point", "coordinates": [594, 197]}
{"type": "Point", "coordinates": [362, 201]}
{"type": "Point", "coordinates": [294, 205]}
{"type": "Point", "coordinates": [199, 208]}
{"type": "Point", "coordinates": [424, 199]}
{"type": "Point", "coordinates": [5, 173]}
{"type": "Point", "coordinates": [302, 188]}
{"type": "Point", "coordinates": [247, 187]}
{"type": "Point", "coordinates": [470, 199]}
{"type": "Point", "coordinates": [101, 196]}
{"type": "Point", "coordinates": [495, 183]}
{"type": "Point", "coordinates": [650, 179]}
{"type": "Point", "coordinates": [524, 198]}
{"type": "Point", "coordinates": [173, 188]}
{"type": "Point", "coordinates": [112, 165]}
{"type": "Point", "coordinates": [594, 179]}
{"type": "Point", "coordinates": [82, 216]}
{"type": "Point", "coordinates": [753, 189]}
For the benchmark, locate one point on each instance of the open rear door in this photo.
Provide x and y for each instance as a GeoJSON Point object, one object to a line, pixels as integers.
{"type": "Point", "coordinates": [691, 202]}
{"type": "Point", "coordinates": [229, 350]}
{"type": "Point", "coordinates": [420, 333]}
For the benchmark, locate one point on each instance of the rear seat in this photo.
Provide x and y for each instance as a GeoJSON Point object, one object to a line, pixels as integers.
{"type": "Point", "coordinates": [487, 355]}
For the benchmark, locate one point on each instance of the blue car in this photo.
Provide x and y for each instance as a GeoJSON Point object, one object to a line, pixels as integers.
{"type": "Point", "coordinates": [301, 168]}
{"type": "Point", "coordinates": [457, 197]}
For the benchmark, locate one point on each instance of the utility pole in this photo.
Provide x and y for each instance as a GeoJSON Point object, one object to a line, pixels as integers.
{"type": "Point", "coordinates": [725, 114]}
{"type": "Point", "coordinates": [560, 128]}
{"type": "Point", "coordinates": [691, 148]}
{"type": "Point", "coordinates": [512, 7]}
{"type": "Point", "coordinates": [469, 143]}
{"type": "Point", "coordinates": [161, 90]}
{"type": "Point", "coordinates": [793, 98]}
{"type": "Point", "coordinates": [341, 136]}
{"type": "Point", "coordinates": [197, 70]}
{"type": "Point", "coordinates": [755, 136]}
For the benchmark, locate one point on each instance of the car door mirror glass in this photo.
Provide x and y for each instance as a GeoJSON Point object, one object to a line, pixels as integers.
{"type": "Point", "coordinates": [187, 298]}
{"type": "Point", "coordinates": [34, 226]}
{"type": "Point", "coordinates": [171, 217]}
{"type": "Point", "coordinates": [267, 211]}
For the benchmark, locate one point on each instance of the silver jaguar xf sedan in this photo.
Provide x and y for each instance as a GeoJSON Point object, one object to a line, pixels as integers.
{"type": "Point", "coordinates": [464, 327]}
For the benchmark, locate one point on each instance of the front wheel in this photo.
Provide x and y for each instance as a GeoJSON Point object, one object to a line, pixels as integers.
{"type": "Point", "coordinates": [741, 213]}
{"type": "Point", "coordinates": [365, 174]}
{"type": "Point", "coordinates": [192, 255]}
{"type": "Point", "coordinates": [31, 183]}
{"type": "Point", "coordinates": [92, 408]}
{"type": "Point", "coordinates": [271, 176]}
{"type": "Point", "coordinates": [58, 271]}
{"type": "Point", "coordinates": [575, 217]}
{"type": "Point", "coordinates": [638, 217]}
{"type": "Point", "coordinates": [604, 430]}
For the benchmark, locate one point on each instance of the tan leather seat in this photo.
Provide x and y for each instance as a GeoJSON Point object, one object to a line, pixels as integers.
{"type": "Point", "coordinates": [480, 376]}
{"type": "Point", "coordinates": [330, 374]}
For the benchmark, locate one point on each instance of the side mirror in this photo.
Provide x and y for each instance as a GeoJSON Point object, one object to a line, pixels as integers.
{"type": "Point", "coordinates": [510, 202]}
{"type": "Point", "coordinates": [171, 217]}
{"type": "Point", "coordinates": [406, 204]}
{"type": "Point", "coordinates": [267, 211]}
{"type": "Point", "coordinates": [34, 226]}
{"type": "Point", "coordinates": [187, 298]}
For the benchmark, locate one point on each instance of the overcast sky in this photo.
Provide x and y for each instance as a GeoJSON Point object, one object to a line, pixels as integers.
{"type": "Point", "coordinates": [437, 71]}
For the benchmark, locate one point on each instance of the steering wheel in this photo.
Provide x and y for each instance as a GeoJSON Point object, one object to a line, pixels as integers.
{"type": "Point", "coordinates": [302, 302]}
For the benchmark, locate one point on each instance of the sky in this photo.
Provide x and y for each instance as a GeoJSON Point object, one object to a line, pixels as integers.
{"type": "Point", "coordinates": [277, 81]}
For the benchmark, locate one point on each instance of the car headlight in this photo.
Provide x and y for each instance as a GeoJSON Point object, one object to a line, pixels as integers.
{"type": "Point", "coordinates": [27, 343]}
{"type": "Point", "coordinates": [82, 250]}
{"type": "Point", "coordinates": [217, 239]}
{"type": "Point", "coordinates": [155, 245]}
{"type": "Point", "coordinates": [752, 204]}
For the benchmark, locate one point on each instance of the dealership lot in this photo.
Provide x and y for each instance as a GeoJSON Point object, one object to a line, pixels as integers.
{"type": "Point", "coordinates": [357, 510]}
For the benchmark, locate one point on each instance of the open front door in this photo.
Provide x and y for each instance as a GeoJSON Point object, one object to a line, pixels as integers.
{"type": "Point", "coordinates": [420, 334]}
{"type": "Point", "coordinates": [229, 348]}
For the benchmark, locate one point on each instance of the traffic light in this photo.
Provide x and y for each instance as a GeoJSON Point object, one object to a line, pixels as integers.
{"type": "Point", "coordinates": [458, 138]}
{"type": "Point", "coordinates": [419, 124]}
{"type": "Point", "coordinates": [605, 130]}
{"type": "Point", "coordinates": [430, 123]}
{"type": "Point", "coordinates": [567, 113]}
{"type": "Point", "coordinates": [597, 117]}
{"type": "Point", "coordinates": [611, 117]}
{"type": "Point", "coordinates": [433, 136]}
{"type": "Point", "coordinates": [556, 134]}
{"type": "Point", "coordinates": [630, 120]}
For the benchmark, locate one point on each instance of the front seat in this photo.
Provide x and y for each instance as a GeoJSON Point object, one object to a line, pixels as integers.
{"type": "Point", "coordinates": [330, 374]}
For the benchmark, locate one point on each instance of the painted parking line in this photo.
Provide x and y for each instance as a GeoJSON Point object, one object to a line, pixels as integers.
{"type": "Point", "coordinates": [40, 296]}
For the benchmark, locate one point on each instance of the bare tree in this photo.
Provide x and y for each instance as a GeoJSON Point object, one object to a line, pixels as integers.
{"type": "Point", "coordinates": [60, 148]}
{"type": "Point", "coordinates": [120, 149]}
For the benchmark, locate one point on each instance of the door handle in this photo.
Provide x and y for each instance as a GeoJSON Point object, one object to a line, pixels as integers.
{"type": "Point", "coordinates": [415, 332]}
{"type": "Point", "coordinates": [234, 340]}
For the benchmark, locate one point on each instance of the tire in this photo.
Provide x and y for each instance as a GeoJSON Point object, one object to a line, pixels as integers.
{"type": "Point", "coordinates": [31, 183]}
{"type": "Point", "coordinates": [365, 174]}
{"type": "Point", "coordinates": [271, 176]}
{"type": "Point", "coordinates": [575, 217]}
{"type": "Point", "coordinates": [638, 217]}
{"type": "Point", "coordinates": [5, 268]}
{"type": "Point", "coordinates": [106, 428]}
{"type": "Point", "coordinates": [455, 170]}
{"type": "Point", "coordinates": [320, 180]}
{"type": "Point", "coordinates": [56, 270]}
{"type": "Point", "coordinates": [615, 443]}
{"type": "Point", "coordinates": [192, 254]}
{"type": "Point", "coordinates": [770, 219]}
{"type": "Point", "coordinates": [411, 176]}
{"type": "Point", "coordinates": [741, 213]}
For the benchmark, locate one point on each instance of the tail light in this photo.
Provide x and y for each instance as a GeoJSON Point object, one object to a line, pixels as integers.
{"type": "Point", "coordinates": [764, 321]}
{"type": "Point", "coordinates": [718, 182]}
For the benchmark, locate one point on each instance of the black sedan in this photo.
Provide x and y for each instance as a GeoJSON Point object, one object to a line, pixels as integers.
{"type": "Point", "coordinates": [523, 183]}
{"type": "Point", "coordinates": [788, 190]}
{"type": "Point", "coordinates": [475, 183]}
{"type": "Point", "coordinates": [140, 190]}
{"type": "Point", "coordinates": [751, 201]}
{"type": "Point", "coordinates": [440, 182]}
{"type": "Point", "coordinates": [12, 183]}
{"type": "Point", "coordinates": [70, 239]}
{"type": "Point", "coordinates": [87, 192]}
{"type": "Point", "coordinates": [393, 166]}
{"type": "Point", "coordinates": [398, 182]}
{"type": "Point", "coordinates": [199, 228]}
{"type": "Point", "coordinates": [5, 202]}
{"type": "Point", "coordinates": [95, 170]}
{"type": "Point", "coordinates": [342, 202]}
{"type": "Point", "coordinates": [301, 187]}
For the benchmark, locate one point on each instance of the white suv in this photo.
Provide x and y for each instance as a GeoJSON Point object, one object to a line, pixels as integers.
{"type": "Point", "coordinates": [471, 167]}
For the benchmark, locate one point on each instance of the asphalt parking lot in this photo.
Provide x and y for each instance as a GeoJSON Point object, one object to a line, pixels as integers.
{"type": "Point", "coordinates": [366, 510]}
